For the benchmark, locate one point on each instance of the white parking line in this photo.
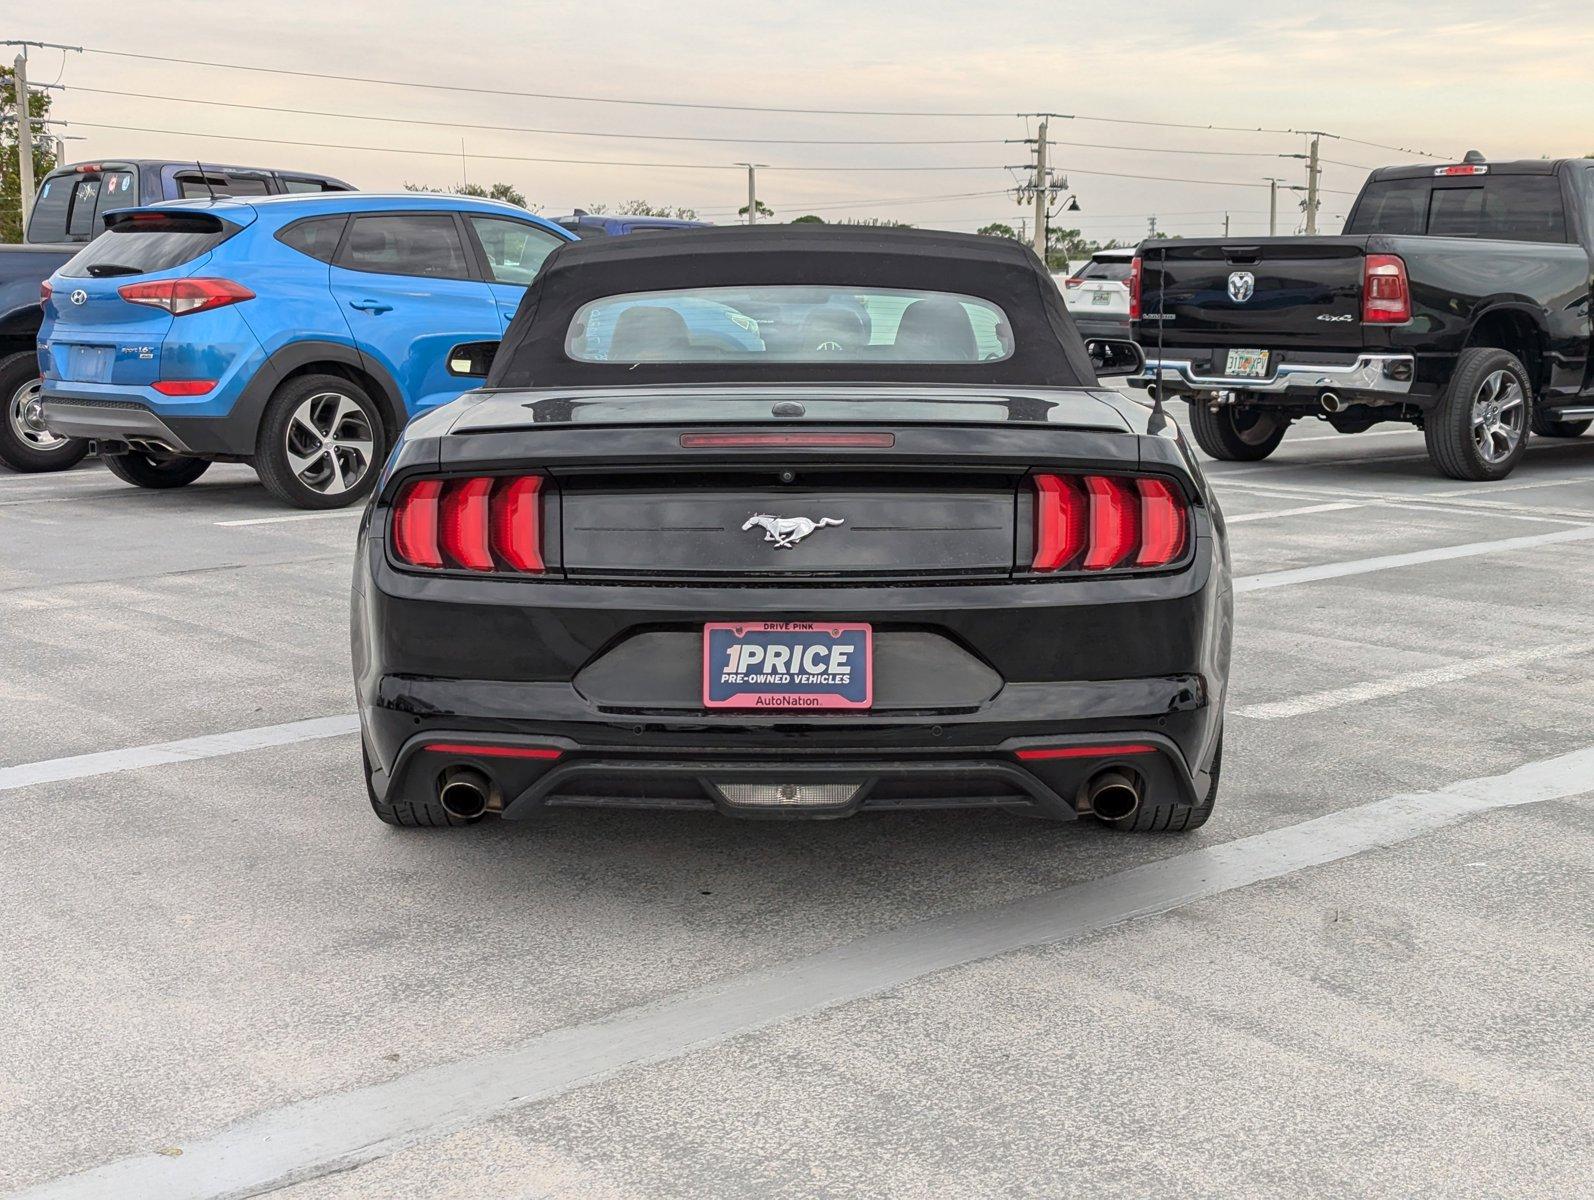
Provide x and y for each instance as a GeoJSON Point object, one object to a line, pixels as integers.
{"type": "Point", "coordinates": [315, 1137]}
{"type": "Point", "coordinates": [1338, 506]}
{"type": "Point", "coordinates": [1339, 437]}
{"type": "Point", "coordinates": [1366, 566]}
{"type": "Point", "coordinates": [314, 516]}
{"type": "Point", "coordinates": [1380, 689]}
{"type": "Point", "coordinates": [210, 745]}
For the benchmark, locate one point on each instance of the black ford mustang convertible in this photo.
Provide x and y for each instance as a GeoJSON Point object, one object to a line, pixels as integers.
{"type": "Point", "coordinates": [792, 521]}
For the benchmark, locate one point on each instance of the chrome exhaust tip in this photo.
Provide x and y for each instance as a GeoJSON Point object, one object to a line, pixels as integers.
{"type": "Point", "coordinates": [1331, 402]}
{"type": "Point", "coordinates": [1113, 795]}
{"type": "Point", "coordinates": [463, 792]}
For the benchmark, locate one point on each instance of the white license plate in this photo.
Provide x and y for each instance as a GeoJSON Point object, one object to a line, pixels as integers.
{"type": "Point", "coordinates": [1100, 298]}
{"type": "Point", "coordinates": [89, 364]}
{"type": "Point", "coordinates": [1246, 364]}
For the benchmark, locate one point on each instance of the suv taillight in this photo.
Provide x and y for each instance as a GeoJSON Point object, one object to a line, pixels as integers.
{"type": "Point", "coordinates": [1134, 289]}
{"type": "Point", "coordinates": [476, 523]}
{"type": "Point", "coordinates": [1108, 523]}
{"type": "Point", "coordinates": [45, 291]}
{"type": "Point", "coordinates": [183, 296]}
{"type": "Point", "coordinates": [1386, 293]}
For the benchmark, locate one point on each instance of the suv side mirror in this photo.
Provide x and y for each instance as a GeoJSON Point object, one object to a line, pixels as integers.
{"type": "Point", "coordinates": [472, 360]}
{"type": "Point", "coordinates": [1113, 357]}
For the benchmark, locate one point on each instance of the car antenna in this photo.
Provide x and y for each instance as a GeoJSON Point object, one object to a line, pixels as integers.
{"type": "Point", "coordinates": [205, 179]}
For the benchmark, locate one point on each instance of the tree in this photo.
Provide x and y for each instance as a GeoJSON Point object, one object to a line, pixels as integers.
{"type": "Point", "coordinates": [763, 210]}
{"type": "Point", "coordinates": [43, 153]}
{"type": "Point", "coordinates": [997, 229]}
{"type": "Point", "coordinates": [506, 192]}
{"type": "Point", "coordinates": [876, 222]}
{"type": "Point", "coordinates": [641, 208]}
{"type": "Point", "coordinates": [809, 219]}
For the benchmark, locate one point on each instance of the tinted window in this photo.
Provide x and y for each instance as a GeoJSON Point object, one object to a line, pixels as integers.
{"type": "Point", "coordinates": [152, 244]}
{"type": "Point", "coordinates": [116, 191]}
{"type": "Point", "coordinates": [199, 187]}
{"type": "Point", "coordinates": [427, 245]}
{"type": "Point", "coordinates": [80, 226]}
{"type": "Point", "coordinates": [1516, 208]}
{"type": "Point", "coordinates": [318, 238]}
{"type": "Point", "coordinates": [588, 231]}
{"type": "Point", "coordinates": [1105, 268]}
{"type": "Point", "coordinates": [780, 323]}
{"type": "Point", "coordinates": [308, 185]}
{"type": "Point", "coordinates": [48, 222]}
{"type": "Point", "coordinates": [514, 249]}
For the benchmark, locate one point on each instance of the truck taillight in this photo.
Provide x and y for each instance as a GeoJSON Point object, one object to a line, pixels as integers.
{"type": "Point", "coordinates": [1108, 522]}
{"type": "Point", "coordinates": [1134, 289]}
{"type": "Point", "coordinates": [183, 296]}
{"type": "Point", "coordinates": [483, 523]}
{"type": "Point", "coordinates": [1386, 292]}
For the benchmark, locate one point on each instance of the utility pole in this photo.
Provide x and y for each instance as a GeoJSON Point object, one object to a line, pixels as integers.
{"type": "Point", "coordinates": [24, 137]}
{"type": "Point", "coordinates": [1225, 224]}
{"type": "Point", "coordinates": [752, 190]}
{"type": "Point", "coordinates": [1272, 206]}
{"type": "Point", "coordinates": [1151, 226]}
{"type": "Point", "coordinates": [1042, 194]}
{"type": "Point", "coordinates": [1312, 170]}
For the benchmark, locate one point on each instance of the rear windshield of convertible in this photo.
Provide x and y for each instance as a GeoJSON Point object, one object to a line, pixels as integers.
{"type": "Point", "coordinates": [828, 324]}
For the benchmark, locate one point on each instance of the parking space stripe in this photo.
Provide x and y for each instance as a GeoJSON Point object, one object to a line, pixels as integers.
{"type": "Point", "coordinates": [212, 745]}
{"type": "Point", "coordinates": [1379, 689]}
{"type": "Point", "coordinates": [1366, 566]}
{"type": "Point", "coordinates": [314, 516]}
{"type": "Point", "coordinates": [319, 1136]}
{"type": "Point", "coordinates": [1335, 506]}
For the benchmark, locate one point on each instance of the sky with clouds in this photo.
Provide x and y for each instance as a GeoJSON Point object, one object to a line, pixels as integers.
{"type": "Point", "coordinates": [1512, 80]}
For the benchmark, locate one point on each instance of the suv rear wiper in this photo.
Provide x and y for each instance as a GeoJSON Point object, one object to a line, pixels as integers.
{"type": "Point", "coordinates": [101, 270]}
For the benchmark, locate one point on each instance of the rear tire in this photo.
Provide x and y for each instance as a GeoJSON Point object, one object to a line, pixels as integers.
{"type": "Point", "coordinates": [1176, 818]}
{"type": "Point", "coordinates": [1236, 434]}
{"type": "Point", "coordinates": [409, 814]}
{"type": "Point", "coordinates": [156, 471]}
{"type": "Point", "coordinates": [25, 445]}
{"type": "Point", "coordinates": [1479, 429]}
{"type": "Point", "coordinates": [321, 443]}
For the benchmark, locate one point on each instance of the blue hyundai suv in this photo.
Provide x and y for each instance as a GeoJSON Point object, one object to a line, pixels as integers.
{"type": "Point", "coordinates": [294, 333]}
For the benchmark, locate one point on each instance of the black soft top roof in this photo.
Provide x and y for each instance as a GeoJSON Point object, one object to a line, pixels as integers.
{"type": "Point", "coordinates": [1047, 350]}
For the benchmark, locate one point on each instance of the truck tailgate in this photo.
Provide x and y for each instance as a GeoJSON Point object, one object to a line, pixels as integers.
{"type": "Point", "coordinates": [1268, 293]}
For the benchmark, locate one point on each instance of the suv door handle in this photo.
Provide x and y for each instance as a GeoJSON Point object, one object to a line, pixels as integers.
{"type": "Point", "coordinates": [370, 306]}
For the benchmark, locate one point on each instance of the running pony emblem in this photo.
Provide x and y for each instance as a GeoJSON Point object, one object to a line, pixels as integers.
{"type": "Point", "coordinates": [788, 531]}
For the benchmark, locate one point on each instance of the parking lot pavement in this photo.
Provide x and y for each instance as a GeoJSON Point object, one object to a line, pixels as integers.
{"type": "Point", "coordinates": [198, 944]}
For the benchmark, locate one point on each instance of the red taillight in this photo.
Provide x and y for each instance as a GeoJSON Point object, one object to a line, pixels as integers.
{"type": "Point", "coordinates": [517, 524]}
{"type": "Point", "coordinates": [1059, 522]}
{"type": "Point", "coordinates": [1134, 289]}
{"type": "Point", "coordinates": [183, 387]}
{"type": "Point", "coordinates": [183, 296]}
{"type": "Point", "coordinates": [1107, 522]}
{"type": "Point", "coordinates": [1386, 293]}
{"type": "Point", "coordinates": [1073, 281]}
{"type": "Point", "coordinates": [479, 523]}
{"type": "Point", "coordinates": [45, 291]}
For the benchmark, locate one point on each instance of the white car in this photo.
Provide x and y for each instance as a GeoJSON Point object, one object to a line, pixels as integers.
{"type": "Point", "coordinates": [1097, 293]}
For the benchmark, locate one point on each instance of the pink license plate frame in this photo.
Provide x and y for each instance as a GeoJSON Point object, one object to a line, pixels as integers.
{"type": "Point", "coordinates": [812, 642]}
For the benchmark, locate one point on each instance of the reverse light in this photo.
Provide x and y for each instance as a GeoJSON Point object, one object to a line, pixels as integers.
{"type": "Point", "coordinates": [477, 523]}
{"type": "Point", "coordinates": [1134, 289]}
{"type": "Point", "coordinates": [183, 296]}
{"type": "Point", "coordinates": [1108, 522]}
{"type": "Point", "coordinates": [1386, 292]}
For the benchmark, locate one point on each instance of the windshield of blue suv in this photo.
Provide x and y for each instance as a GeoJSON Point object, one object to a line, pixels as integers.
{"type": "Point", "coordinates": [789, 323]}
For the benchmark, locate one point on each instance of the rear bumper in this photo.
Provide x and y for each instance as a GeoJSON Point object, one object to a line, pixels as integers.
{"type": "Point", "coordinates": [110, 422]}
{"type": "Point", "coordinates": [1376, 375]}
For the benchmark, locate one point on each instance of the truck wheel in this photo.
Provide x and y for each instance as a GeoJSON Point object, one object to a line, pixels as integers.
{"type": "Point", "coordinates": [1236, 434]}
{"type": "Point", "coordinates": [1544, 426]}
{"type": "Point", "coordinates": [156, 470]}
{"type": "Point", "coordinates": [321, 443]}
{"type": "Point", "coordinates": [25, 444]}
{"type": "Point", "coordinates": [1479, 428]}
{"type": "Point", "coordinates": [1176, 818]}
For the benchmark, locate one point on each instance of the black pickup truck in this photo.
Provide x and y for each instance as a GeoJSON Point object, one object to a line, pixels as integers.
{"type": "Point", "coordinates": [1457, 300]}
{"type": "Point", "coordinates": [66, 216]}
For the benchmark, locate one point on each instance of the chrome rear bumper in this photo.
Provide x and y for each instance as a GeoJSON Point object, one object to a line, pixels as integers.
{"type": "Point", "coordinates": [1386, 374]}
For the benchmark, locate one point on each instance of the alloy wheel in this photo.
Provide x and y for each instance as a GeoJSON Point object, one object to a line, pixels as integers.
{"type": "Point", "coordinates": [1499, 412]}
{"type": "Point", "coordinates": [27, 418]}
{"type": "Point", "coordinates": [330, 443]}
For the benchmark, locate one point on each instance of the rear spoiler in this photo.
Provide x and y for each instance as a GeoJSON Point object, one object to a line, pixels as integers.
{"type": "Point", "coordinates": [155, 220]}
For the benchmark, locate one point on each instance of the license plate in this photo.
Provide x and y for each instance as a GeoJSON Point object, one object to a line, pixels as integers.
{"type": "Point", "coordinates": [1246, 364]}
{"type": "Point", "coordinates": [1100, 298]}
{"type": "Point", "coordinates": [89, 364]}
{"type": "Point", "coordinates": [788, 664]}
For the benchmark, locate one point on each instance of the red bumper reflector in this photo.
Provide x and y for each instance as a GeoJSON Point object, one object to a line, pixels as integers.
{"type": "Point", "coordinates": [415, 524]}
{"type": "Point", "coordinates": [542, 752]}
{"type": "Point", "coordinates": [183, 387]}
{"type": "Point", "coordinates": [1085, 751]}
{"type": "Point", "coordinates": [464, 524]}
{"type": "Point", "coordinates": [816, 441]}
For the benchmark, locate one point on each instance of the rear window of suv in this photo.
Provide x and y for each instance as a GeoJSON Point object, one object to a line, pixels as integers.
{"type": "Point", "coordinates": [1111, 269]}
{"type": "Point", "coordinates": [1510, 208]}
{"type": "Point", "coordinates": [151, 242]}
